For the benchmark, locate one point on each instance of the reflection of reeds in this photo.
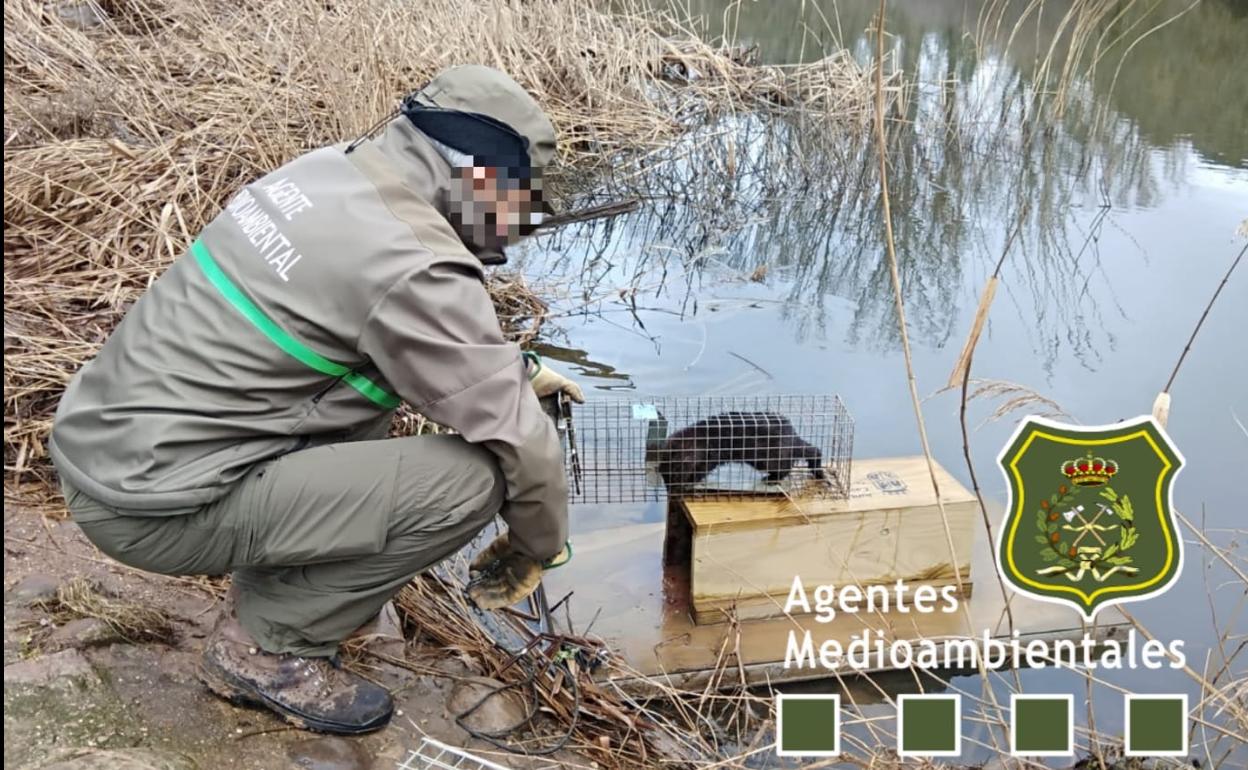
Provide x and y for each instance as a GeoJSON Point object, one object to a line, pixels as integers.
{"type": "Point", "coordinates": [973, 159]}
{"type": "Point", "coordinates": [1086, 33]}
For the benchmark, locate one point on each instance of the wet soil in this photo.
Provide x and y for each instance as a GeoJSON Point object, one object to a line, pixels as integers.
{"type": "Point", "coordinates": [78, 696]}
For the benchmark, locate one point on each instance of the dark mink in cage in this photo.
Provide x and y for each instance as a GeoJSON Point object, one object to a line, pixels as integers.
{"type": "Point", "coordinates": [765, 441]}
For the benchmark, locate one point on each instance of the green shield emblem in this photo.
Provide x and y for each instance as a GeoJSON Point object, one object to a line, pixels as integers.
{"type": "Point", "coordinates": [1089, 521]}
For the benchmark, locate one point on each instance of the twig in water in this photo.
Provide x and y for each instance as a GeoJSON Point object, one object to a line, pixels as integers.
{"type": "Point", "coordinates": [970, 466]}
{"type": "Point", "coordinates": [895, 274]}
{"type": "Point", "coordinates": [1238, 422]}
{"type": "Point", "coordinates": [1201, 322]}
{"type": "Point", "coordinates": [265, 731]}
{"type": "Point", "coordinates": [890, 251]}
{"type": "Point", "coordinates": [751, 363]}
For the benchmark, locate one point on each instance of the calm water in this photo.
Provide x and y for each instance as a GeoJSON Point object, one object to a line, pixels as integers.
{"type": "Point", "coordinates": [1126, 229]}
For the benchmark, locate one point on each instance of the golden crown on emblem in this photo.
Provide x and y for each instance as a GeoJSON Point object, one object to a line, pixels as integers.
{"type": "Point", "coordinates": [1089, 471]}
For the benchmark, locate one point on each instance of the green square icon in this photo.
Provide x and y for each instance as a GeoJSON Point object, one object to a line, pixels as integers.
{"type": "Point", "coordinates": [929, 725]}
{"type": "Point", "coordinates": [808, 725]}
{"type": "Point", "coordinates": [1156, 725]}
{"type": "Point", "coordinates": [1042, 725]}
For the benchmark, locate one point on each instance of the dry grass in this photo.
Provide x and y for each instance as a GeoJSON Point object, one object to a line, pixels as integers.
{"type": "Point", "coordinates": [124, 136]}
{"type": "Point", "coordinates": [1087, 34]}
{"type": "Point", "coordinates": [613, 728]}
{"type": "Point", "coordinates": [596, 723]}
{"type": "Point", "coordinates": [1012, 399]}
{"type": "Point", "coordinates": [80, 598]}
{"type": "Point", "coordinates": [123, 139]}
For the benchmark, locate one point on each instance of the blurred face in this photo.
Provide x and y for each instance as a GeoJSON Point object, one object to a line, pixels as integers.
{"type": "Point", "coordinates": [492, 207]}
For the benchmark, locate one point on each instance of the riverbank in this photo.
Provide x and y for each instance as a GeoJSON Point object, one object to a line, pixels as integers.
{"type": "Point", "coordinates": [126, 132]}
{"type": "Point", "coordinates": [127, 126]}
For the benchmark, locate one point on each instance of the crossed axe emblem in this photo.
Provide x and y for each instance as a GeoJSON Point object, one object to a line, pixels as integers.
{"type": "Point", "coordinates": [1088, 556]}
{"type": "Point", "coordinates": [1086, 527]}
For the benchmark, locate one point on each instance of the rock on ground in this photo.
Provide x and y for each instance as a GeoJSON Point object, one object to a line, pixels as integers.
{"type": "Point", "coordinates": [59, 668]}
{"type": "Point", "coordinates": [80, 633]}
{"type": "Point", "coordinates": [34, 588]}
{"type": "Point", "coordinates": [496, 713]}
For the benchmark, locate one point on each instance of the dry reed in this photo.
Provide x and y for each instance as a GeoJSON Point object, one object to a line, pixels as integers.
{"type": "Point", "coordinates": [80, 598]}
{"type": "Point", "coordinates": [603, 727]}
{"type": "Point", "coordinates": [126, 130]}
{"type": "Point", "coordinates": [128, 123]}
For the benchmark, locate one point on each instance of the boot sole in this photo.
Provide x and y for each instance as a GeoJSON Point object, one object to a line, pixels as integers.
{"type": "Point", "coordinates": [240, 693]}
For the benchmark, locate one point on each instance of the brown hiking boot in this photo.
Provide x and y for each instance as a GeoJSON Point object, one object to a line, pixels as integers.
{"type": "Point", "coordinates": [312, 693]}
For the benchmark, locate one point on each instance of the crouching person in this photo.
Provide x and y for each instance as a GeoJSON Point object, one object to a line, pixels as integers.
{"type": "Point", "coordinates": [235, 420]}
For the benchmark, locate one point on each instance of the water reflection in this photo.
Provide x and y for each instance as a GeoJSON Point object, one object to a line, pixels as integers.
{"type": "Point", "coordinates": [1155, 91]}
{"type": "Point", "coordinates": [797, 197]}
{"type": "Point", "coordinates": [1125, 210]}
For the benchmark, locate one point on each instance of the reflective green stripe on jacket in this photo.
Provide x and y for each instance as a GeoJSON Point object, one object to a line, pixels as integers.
{"type": "Point", "coordinates": [319, 295]}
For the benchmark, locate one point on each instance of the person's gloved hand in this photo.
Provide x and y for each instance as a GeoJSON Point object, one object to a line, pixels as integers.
{"type": "Point", "coordinates": [504, 577]}
{"type": "Point", "coordinates": [499, 546]}
{"type": "Point", "coordinates": [547, 381]}
{"type": "Point", "coordinates": [505, 581]}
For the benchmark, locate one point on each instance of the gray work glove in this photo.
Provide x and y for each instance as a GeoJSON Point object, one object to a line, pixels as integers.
{"type": "Point", "coordinates": [503, 577]}
{"type": "Point", "coordinates": [547, 381]}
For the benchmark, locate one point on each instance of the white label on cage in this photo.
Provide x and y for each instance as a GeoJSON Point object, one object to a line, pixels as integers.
{"type": "Point", "coordinates": [888, 482]}
{"type": "Point", "coordinates": [645, 412]}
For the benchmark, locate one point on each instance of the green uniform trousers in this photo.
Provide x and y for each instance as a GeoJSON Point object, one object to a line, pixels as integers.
{"type": "Point", "coordinates": [317, 540]}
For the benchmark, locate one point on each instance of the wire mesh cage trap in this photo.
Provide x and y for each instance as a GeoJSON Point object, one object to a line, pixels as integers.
{"type": "Point", "coordinates": [643, 449]}
{"type": "Point", "coordinates": [435, 755]}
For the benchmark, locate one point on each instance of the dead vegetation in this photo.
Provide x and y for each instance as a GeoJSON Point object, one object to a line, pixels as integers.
{"type": "Point", "coordinates": [79, 598]}
{"type": "Point", "coordinates": [126, 129]}
{"type": "Point", "coordinates": [128, 124]}
{"type": "Point", "coordinates": [726, 724]}
{"type": "Point", "coordinates": [572, 705]}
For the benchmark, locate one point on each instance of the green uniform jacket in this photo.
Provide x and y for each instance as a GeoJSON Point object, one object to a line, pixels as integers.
{"type": "Point", "coordinates": [321, 295]}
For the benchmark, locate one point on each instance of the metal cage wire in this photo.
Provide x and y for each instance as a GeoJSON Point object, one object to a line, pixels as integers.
{"type": "Point", "coordinates": [623, 450]}
{"type": "Point", "coordinates": [435, 755]}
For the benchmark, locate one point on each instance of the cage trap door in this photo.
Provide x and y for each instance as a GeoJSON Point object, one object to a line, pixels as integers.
{"type": "Point", "coordinates": [650, 448]}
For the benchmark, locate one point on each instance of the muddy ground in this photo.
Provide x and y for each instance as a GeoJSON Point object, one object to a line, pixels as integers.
{"type": "Point", "coordinates": [77, 696]}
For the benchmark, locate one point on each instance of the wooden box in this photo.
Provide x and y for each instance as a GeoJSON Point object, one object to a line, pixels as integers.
{"type": "Point", "coordinates": [746, 551]}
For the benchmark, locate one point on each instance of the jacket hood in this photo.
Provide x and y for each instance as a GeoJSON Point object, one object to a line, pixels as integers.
{"type": "Point", "coordinates": [426, 174]}
{"type": "Point", "coordinates": [464, 105]}
{"type": "Point", "coordinates": [481, 90]}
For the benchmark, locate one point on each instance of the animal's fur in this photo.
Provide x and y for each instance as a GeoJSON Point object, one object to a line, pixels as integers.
{"type": "Point", "coordinates": [764, 440]}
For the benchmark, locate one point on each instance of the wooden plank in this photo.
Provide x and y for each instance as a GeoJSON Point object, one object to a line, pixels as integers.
{"type": "Point", "coordinates": [890, 482]}
{"type": "Point", "coordinates": [644, 612]}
